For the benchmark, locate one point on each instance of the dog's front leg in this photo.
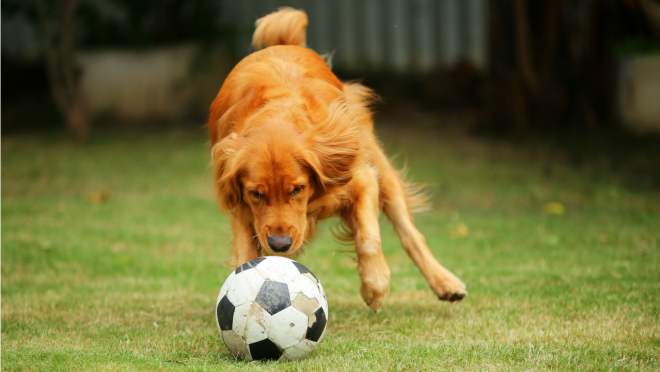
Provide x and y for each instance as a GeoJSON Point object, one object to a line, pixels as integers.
{"type": "Point", "coordinates": [362, 217]}
{"type": "Point", "coordinates": [245, 242]}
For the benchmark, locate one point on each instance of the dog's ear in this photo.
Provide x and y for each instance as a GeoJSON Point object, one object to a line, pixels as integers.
{"type": "Point", "coordinates": [226, 168]}
{"type": "Point", "coordinates": [332, 148]}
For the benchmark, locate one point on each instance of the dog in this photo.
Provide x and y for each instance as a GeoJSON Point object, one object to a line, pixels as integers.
{"type": "Point", "coordinates": [292, 145]}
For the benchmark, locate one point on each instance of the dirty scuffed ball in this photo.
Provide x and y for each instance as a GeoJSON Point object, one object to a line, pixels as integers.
{"type": "Point", "coordinates": [272, 308]}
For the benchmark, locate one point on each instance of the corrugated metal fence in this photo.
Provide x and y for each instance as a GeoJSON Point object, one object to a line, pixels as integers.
{"type": "Point", "coordinates": [382, 35]}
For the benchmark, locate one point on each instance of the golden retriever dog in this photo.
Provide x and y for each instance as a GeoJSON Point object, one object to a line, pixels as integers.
{"type": "Point", "coordinates": [293, 145]}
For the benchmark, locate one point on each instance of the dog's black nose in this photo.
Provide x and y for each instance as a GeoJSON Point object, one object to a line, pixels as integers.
{"type": "Point", "coordinates": [280, 243]}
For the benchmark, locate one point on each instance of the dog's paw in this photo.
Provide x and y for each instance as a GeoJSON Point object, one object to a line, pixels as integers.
{"type": "Point", "coordinates": [453, 297]}
{"type": "Point", "coordinates": [373, 297]}
{"type": "Point", "coordinates": [375, 286]}
{"type": "Point", "coordinates": [449, 288]}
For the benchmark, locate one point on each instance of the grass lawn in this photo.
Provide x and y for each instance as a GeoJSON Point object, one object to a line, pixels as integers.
{"type": "Point", "coordinates": [131, 283]}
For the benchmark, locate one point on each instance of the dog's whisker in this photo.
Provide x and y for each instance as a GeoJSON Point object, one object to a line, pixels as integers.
{"type": "Point", "coordinates": [252, 238]}
{"type": "Point", "coordinates": [303, 249]}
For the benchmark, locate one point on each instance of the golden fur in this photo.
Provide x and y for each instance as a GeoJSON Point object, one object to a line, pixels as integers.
{"type": "Point", "coordinates": [292, 145]}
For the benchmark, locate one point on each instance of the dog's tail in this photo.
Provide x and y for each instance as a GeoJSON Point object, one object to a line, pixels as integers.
{"type": "Point", "coordinates": [287, 26]}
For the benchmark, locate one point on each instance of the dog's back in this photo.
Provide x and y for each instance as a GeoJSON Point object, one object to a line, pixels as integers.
{"type": "Point", "coordinates": [281, 66]}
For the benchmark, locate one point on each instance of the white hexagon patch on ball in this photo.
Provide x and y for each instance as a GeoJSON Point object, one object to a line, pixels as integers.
{"type": "Point", "coordinates": [272, 308]}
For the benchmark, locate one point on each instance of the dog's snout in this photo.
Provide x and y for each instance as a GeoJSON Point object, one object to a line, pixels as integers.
{"type": "Point", "coordinates": [280, 243]}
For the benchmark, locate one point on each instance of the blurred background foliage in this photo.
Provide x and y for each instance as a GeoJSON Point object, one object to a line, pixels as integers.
{"type": "Point", "coordinates": [124, 23]}
{"type": "Point", "coordinates": [132, 24]}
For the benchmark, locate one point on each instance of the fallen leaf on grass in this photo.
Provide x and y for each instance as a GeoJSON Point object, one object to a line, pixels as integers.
{"type": "Point", "coordinates": [175, 362]}
{"type": "Point", "coordinates": [98, 197]}
{"type": "Point", "coordinates": [460, 230]}
{"type": "Point", "coordinates": [554, 208]}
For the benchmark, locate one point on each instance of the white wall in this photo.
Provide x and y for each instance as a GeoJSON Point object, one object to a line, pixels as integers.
{"type": "Point", "coordinates": [639, 94]}
{"type": "Point", "coordinates": [157, 82]}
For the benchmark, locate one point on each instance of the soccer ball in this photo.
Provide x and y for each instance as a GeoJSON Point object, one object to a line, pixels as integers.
{"type": "Point", "coordinates": [271, 308]}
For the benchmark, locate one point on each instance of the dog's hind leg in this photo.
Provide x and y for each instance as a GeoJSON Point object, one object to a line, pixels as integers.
{"type": "Point", "coordinates": [393, 200]}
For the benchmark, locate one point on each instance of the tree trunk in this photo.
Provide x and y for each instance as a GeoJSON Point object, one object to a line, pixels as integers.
{"type": "Point", "coordinates": [550, 64]}
{"type": "Point", "coordinates": [63, 75]}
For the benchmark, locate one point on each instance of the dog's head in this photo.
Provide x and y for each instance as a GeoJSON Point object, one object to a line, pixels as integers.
{"type": "Point", "coordinates": [267, 177]}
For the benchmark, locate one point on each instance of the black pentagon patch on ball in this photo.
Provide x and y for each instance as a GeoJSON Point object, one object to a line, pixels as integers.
{"type": "Point", "coordinates": [302, 269]}
{"type": "Point", "coordinates": [316, 330]}
{"type": "Point", "coordinates": [265, 349]}
{"type": "Point", "coordinates": [250, 264]}
{"type": "Point", "coordinates": [274, 297]}
{"type": "Point", "coordinates": [225, 314]}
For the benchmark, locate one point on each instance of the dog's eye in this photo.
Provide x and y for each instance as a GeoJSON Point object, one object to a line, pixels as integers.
{"type": "Point", "coordinates": [296, 190]}
{"type": "Point", "coordinates": [256, 194]}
